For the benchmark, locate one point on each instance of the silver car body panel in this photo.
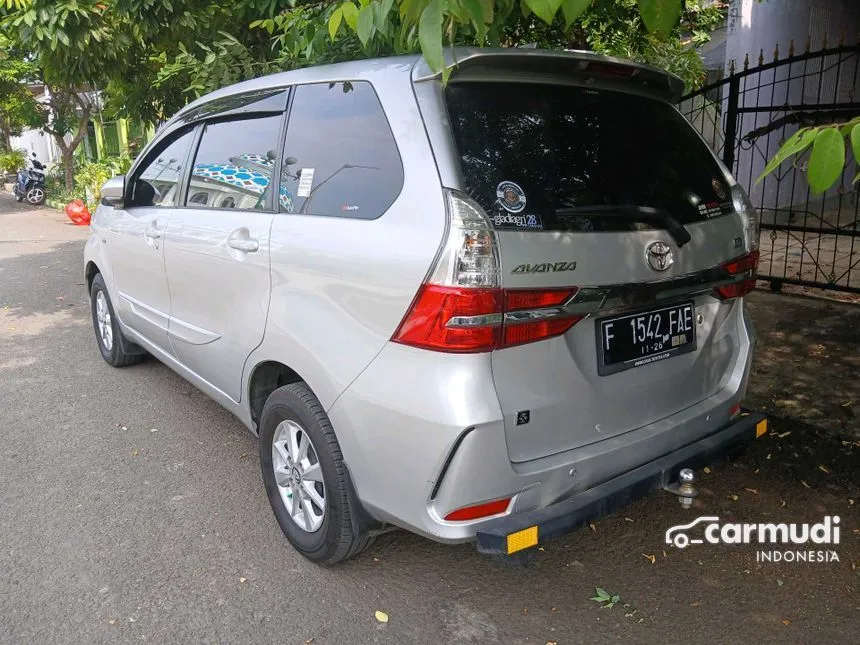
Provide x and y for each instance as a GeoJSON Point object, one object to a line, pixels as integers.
{"type": "Point", "coordinates": [425, 432]}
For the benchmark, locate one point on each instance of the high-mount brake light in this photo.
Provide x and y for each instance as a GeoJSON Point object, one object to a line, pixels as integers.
{"type": "Point", "coordinates": [462, 308]}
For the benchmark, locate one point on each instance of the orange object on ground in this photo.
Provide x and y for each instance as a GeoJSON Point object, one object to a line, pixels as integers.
{"type": "Point", "coordinates": [78, 212]}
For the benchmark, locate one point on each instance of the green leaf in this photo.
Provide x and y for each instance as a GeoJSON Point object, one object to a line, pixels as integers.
{"type": "Point", "coordinates": [855, 142]}
{"type": "Point", "coordinates": [544, 9]}
{"type": "Point", "coordinates": [430, 35]}
{"type": "Point", "coordinates": [573, 9]}
{"type": "Point", "coordinates": [796, 143]}
{"type": "Point", "coordinates": [660, 16]}
{"type": "Point", "coordinates": [365, 24]}
{"type": "Point", "coordinates": [350, 14]}
{"type": "Point", "coordinates": [846, 128]}
{"type": "Point", "coordinates": [826, 160]}
{"type": "Point", "coordinates": [334, 22]}
{"type": "Point", "coordinates": [475, 11]}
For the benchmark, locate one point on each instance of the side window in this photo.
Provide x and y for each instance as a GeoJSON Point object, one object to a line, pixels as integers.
{"type": "Point", "coordinates": [339, 156]}
{"type": "Point", "coordinates": [233, 165]}
{"type": "Point", "coordinates": [157, 183]}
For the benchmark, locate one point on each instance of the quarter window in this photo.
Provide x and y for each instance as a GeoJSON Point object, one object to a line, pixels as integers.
{"type": "Point", "coordinates": [233, 164]}
{"type": "Point", "coordinates": [339, 158]}
{"type": "Point", "coordinates": [157, 184]}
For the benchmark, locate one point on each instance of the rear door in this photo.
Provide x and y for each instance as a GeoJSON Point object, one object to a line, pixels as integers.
{"type": "Point", "coordinates": [217, 249]}
{"type": "Point", "coordinates": [599, 190]}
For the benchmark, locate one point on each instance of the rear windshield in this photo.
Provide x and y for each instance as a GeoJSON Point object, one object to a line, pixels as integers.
{"type": "Point", "coordinates": [541, 157]}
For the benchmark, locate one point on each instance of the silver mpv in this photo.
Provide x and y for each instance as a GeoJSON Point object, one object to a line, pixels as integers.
{"type": "Point", "coordinates": [489, 310]}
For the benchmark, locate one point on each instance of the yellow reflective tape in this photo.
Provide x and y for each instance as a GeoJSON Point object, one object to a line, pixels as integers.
{"type": "Point", "coordinates": [522, 539]}
{"type": "Point", "coordinates": [760, 428]}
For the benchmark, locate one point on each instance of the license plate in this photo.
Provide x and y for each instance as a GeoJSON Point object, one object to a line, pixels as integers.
{"type": "Point", "coordinates": [645, 337]}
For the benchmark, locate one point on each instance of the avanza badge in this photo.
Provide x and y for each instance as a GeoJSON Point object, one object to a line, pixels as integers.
{"type": "Point", "coordinates": [545, 267]}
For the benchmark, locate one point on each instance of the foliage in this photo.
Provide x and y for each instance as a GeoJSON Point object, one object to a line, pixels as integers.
{"type": "Point", "coordinates": [827, 158]}
{"type": "Point", "coordinates": [12, 160]}
{"type": "Point", "coordinates": [604, 598]}
{"type": "Point", "coordinates": [92, 175]}
{"type": "Point", "coordinates": [18, 108]}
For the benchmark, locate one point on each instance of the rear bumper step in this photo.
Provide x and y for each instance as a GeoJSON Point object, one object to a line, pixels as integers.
{"type": "Point", "coordinates": [515, 533]}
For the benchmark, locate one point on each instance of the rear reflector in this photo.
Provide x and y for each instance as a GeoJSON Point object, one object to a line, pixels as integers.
{"type": "Point", "coordinates": [478, 511]}
{"type": "Point", "coordinates": [745, 266]}
{"type": "Point", "coordinates": [735, 410]}
{"type": "Point", "coordinates": [468, 319]}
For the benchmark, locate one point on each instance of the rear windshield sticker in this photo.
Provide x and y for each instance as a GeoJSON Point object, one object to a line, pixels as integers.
{"type": "Point", "coordinates": [532, 222]}
{"type": "Point", "coordinates": [306, 180]}
{"type": "Point", "coordinates": [714, 209]}
{"type": "Point", "coordinates": [719, 189]}
{"type": "Point", "coordinates": [510, 197]}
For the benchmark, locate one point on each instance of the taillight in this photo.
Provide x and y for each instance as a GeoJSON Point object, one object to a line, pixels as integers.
{"type": "Point", "coordinates": [743, 271]}
{"type": "Point", "coordinates": [462, 308]}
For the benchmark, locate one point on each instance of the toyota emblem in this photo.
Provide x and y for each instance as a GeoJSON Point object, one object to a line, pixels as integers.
{"type": "Point", "coordinates": [659, 256]}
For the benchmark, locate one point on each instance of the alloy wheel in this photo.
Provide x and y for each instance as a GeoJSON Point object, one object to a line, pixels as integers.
{"type": "Point", "coordinates": [298, 474]}
{"type": "Point", "coordinates": [103, 318]}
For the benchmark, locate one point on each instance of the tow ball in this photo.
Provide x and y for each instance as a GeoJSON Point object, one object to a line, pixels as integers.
{"type": "Point", "coordinates": [684, 488]}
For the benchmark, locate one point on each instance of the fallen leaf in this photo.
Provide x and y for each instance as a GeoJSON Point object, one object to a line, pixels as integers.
{"type": "Point", "coordinates": [153, 430]}
{"type": "Point", "coordinates": [847, 404]}
{"type": "Point", "coordinates": [309, 641]}
{"type": "Point", "coordinates": [783, 435]}
{"type": "Point", "coordinates": [779, 583]}
{"type": "Point", "coordinates": [553, 609]}
{"type": "Point", "coordinates": [664, 554]}
{"type": "Point", "coordinates": [734, 498]}
{"type": "Point", "coordinates": [706, 470]}
{"type": "Point", "coordinates": [525, 610]}
{"type": "Point", "coordinates": [131, 620]}
{"type": "Point", "coordinates": [135, 453]}
{"type": "Point", "coordinates": [695, 603]}
{"type": "Point", "coordinates": [540, 548]}
{"type": "Point", "coordinates": [376, 559]}
{"type": "Point", "coordinates": [112, 621]}
{"type": "Point", "coordinates": [786, 621]}
{"type": "Point", "coordinates": [244, 455]}
{"type": "Point", "coordinates": [782, 503]}
{"type": "Point", "coordinates": [592, 526]}
{"type": "Point", "coordinates": [381, 616]}
{"type": "Point", "coordinates": [651, 558]}
{"type": "Point", "coordinates": [627, 519]}
{"type": "Point", "coordinates": [242, 579]}
{"type": "Point", "coordinates": [823, 468]}
{"type": "Point", "coordinates": [850, 502]}
{"type": "Point", "coordinates": [755, 472]}
{"type": "Point", "coordinates": [804, 483]}
{"type": "Point", "coordinates": [552, 643]}
{"type": "Point", "coordinates": [751, 490]}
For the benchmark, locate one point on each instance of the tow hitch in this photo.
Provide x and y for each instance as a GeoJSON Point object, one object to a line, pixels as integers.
{"type": "Point", "coordinates": [684, 488]}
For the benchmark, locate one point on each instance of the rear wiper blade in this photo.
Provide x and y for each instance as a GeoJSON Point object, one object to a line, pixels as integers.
{"type": "Point", "coordinates": [636, 213]}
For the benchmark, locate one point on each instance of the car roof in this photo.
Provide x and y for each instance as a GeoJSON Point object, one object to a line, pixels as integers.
{"type": "Point", "coordinates": [468, 60]}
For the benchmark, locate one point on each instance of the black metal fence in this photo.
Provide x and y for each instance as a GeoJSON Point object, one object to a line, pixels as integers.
{"type": "Point", "coordinates": [807, 239]}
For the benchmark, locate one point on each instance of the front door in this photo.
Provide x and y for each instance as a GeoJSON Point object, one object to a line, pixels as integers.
{"type": "Point", "coordinates": [217, 251]}
{"type": "Point", "coordinates": [136, 241]}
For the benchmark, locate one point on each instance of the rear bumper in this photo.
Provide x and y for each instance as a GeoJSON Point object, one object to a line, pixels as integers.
{"type": "Point", "coordinates": [513, 533]}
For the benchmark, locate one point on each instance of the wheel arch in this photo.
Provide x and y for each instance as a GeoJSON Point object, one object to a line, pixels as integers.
{"type": "Point", "coordinates": [90, 273]}
{"type": "Point", "coordinates": [266, 377]}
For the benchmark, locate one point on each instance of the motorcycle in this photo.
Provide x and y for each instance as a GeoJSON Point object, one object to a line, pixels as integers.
{"type": "Point", "coordinates": [30, 183]}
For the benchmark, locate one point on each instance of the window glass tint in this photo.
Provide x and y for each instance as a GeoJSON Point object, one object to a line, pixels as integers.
{"type": "Point", "coordinates": [539, 156]}
{"type": "Point", "coordinates": [157, 183]}
{"type": "Point", "coordinates": [339, 156]}
{"type": "Point", "coordinates": [233, 165]}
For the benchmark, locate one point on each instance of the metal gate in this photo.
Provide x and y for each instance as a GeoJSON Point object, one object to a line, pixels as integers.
{"type": "Point", "coordinates": [807, 239]}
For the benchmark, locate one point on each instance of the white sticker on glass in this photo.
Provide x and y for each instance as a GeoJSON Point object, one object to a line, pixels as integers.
{"type": "Point", "coordinates": [306, 180]}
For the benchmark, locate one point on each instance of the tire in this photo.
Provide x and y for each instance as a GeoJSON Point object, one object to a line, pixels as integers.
{"type": "Point", "coordinates": [293, 410]}
{"type": "Point", "coordinates": [110, 342]}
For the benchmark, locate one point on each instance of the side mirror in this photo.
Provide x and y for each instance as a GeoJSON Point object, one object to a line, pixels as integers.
{"type": "Point", "coordinates": [113, 191]}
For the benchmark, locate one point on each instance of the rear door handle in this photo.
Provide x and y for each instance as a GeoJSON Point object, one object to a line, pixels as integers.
{"type": "Point", "coordinates": [152, 234]}
{"type": "Point", "coordinates": [248, 246]}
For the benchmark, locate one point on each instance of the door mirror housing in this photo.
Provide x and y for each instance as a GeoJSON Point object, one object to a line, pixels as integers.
{"type": "Point", "coordinates": [113, 192]}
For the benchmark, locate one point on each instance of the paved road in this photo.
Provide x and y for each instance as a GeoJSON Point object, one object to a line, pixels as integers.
{"type": "Point", "coordinates": [131, 510]}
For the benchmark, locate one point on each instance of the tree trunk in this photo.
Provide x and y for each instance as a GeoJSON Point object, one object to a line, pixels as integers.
{"type": "Point", "coordinates": [7, 137]}
{"type": "Point", "coordinates": [68, 168]}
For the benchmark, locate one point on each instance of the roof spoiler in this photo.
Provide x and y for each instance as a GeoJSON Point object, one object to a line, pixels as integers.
{"type": "Point", "coordinates": [583, 67]}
